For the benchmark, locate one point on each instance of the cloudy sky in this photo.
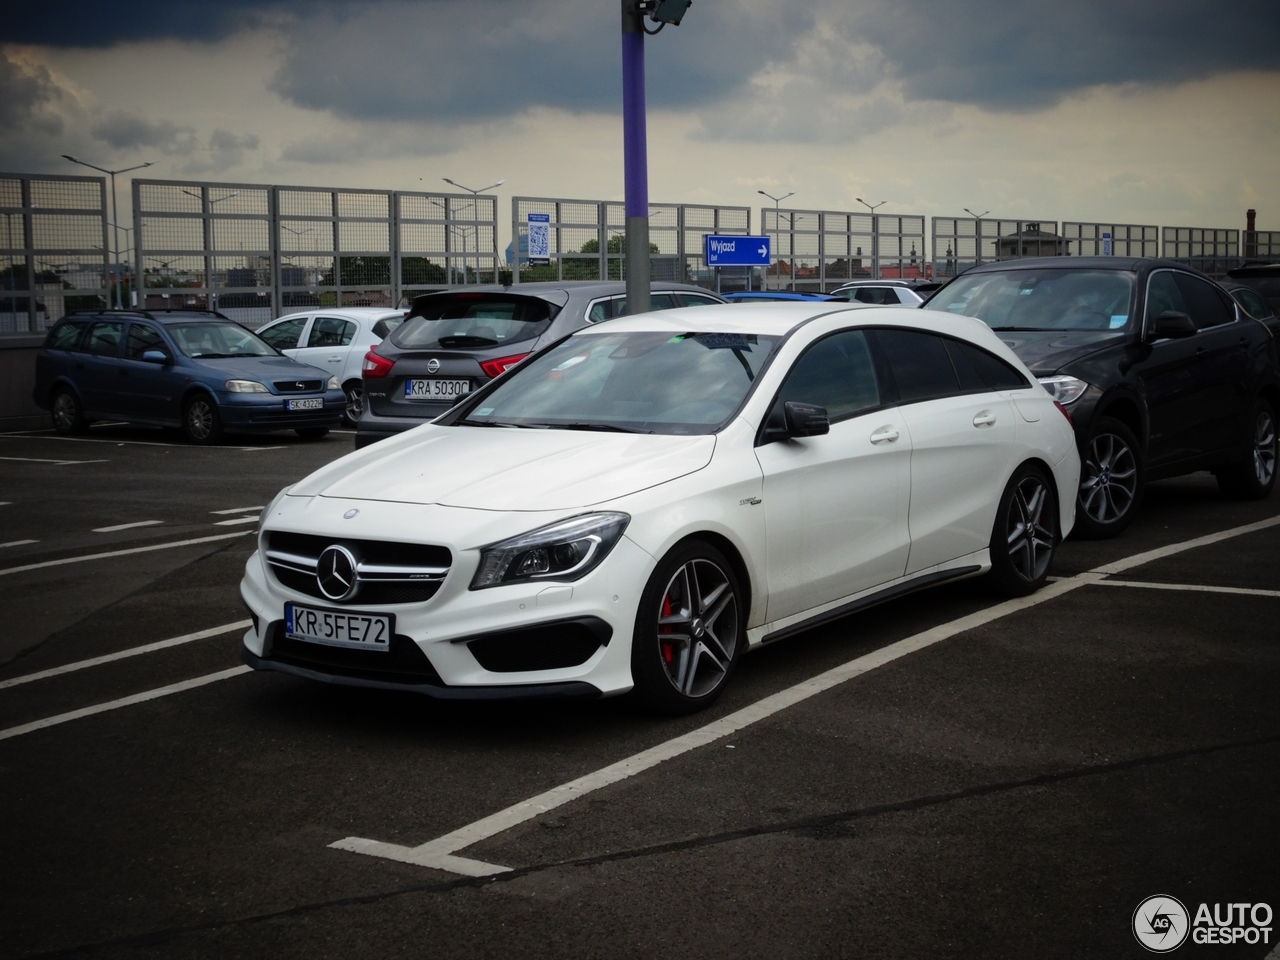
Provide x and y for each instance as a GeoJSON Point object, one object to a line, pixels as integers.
{"type": "Point", "coordinates": [1123, 111]}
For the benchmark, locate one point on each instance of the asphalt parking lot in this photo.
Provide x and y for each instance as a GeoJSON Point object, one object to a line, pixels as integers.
{"type": "Point", "coordinates": [941, 776]}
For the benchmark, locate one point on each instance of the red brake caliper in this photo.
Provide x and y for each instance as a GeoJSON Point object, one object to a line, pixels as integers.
{"type": "Point", "coordinates": [666, 646]}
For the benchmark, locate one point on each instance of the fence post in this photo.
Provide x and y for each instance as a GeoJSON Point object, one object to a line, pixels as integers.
{"type": "Point", "coordinates": [29, 243]}
{"type": "Point", "coordinates": [393, 246]}
{"type": "Point", "coordinates": [273, 250]}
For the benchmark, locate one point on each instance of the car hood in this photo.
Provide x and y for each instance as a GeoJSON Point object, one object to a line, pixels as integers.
{"type": "Point", "coordinates": [265, 369]}
{"type": "Point", "coordinates": [1044, 352]}
{"type": "Point", "coordinates": [487, 468]}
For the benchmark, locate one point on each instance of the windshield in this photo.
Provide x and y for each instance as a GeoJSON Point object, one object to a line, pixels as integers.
{"type": "Point", "coordinates": [1057, 299]}
{"type": "Point", "coordinates": [473, 320]}
{"type": "Point", "coordinates": [642, 382]}
{"type": "Point", "coordinates": [211, 340]}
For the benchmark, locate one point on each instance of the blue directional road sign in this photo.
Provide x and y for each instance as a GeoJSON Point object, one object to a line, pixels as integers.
{"type": "Point", "coordinates": [736, 251]}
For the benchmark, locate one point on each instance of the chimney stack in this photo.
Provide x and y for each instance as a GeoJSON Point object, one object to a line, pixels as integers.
{"type": "Point", "coordinates": [1250, 234]}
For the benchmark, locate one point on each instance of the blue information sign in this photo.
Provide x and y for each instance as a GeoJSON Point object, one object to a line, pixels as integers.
{"type": "Point", "coordinates": [736, 251]}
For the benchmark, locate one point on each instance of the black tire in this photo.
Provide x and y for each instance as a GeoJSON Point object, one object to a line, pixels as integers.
{"type": "Point", "coordinates": [1255, 476]}
{"type": "Point", "coordinates": [311, 433]}
{"type": "Point", "coordinates": [1112, 477]}
{"type": "Point", "coordinates": [681, 672]}
{"type": "Point", "coordinates": [68, 415]}
{"type": "Point", "coordinates": [1025, 534]}
{"type": "Point", "coordinates": [354, 390]}
{"type": "Point", "coordinates": [200, 421]}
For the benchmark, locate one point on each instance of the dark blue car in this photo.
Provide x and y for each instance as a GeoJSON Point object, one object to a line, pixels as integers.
{"type": "Point", "coordinates": [195, 370]}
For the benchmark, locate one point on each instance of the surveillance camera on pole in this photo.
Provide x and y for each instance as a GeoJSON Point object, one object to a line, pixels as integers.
{"type": "Point", "coordinates": [635, 151]}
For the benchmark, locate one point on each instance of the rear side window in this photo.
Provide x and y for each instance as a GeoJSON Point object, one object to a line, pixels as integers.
{"type": "Point", "coordinates": [141, 339]}
{"type": "Point", "coordinates": [64, 336]}
{"type": "Point", "coordinates": [473, 320]}
{"type": "Point", "coordinates": [331, 332]}
{"type": "Point", "coordinates": [1254, 304]}
{"type": "Point", "coordinates": [697, 300]}
{"type": "Point", "coordinates": [920, 364]}
{"type": "Point", "coordinates": [994, 373]}
{"type": "Point", "coordinates": [284, 335]}
{"type": "Point", "coordinates": [103, 338]}
{"type": "Point", "coordinates": [1207, 306]}
{"type": "Point", "coordinates": [838, 373]}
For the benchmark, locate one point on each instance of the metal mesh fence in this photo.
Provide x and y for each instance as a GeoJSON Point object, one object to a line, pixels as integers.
{"type": "Point", "coordinates": [255, 251]}
{"type": "Point", "coordinates": [1110, 240]}
{"type": "Point", "coordinates": [1211, 250]}
{"type": "Point", "coordinates": [962, 242]}
{"type": "Point", "coordinates": [586, 239]}
{"type": "Point", "coordinates": [53, 249]}
{"type": "Point", "coordinates": [818, 250]}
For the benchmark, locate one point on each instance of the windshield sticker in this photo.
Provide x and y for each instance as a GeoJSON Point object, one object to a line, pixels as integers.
{"type": "Point", "coordinates": [571, 362]}
{"type": "Point", "coordinates": [1118, 320]}
{"type": "Point", "coordinates": [484, 411]}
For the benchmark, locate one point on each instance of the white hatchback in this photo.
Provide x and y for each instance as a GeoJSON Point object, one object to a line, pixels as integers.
{"type": "Point", "coordinates": [641, 503]}
{"type": "Point", "coordinates": [335, 340]}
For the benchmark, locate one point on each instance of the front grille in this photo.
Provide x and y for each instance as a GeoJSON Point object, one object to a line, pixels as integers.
{"type": "Point", "coordinates": [388, 572]}
{"type": "Point", "coordinates": [404, 661]}
{"type": "Point", "coordinates": [550, 646]}
{"type": "Point", "coordinates": [297, 386]}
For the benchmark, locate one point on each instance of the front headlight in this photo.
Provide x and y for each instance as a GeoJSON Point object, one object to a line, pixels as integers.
{"type": "Point", "coordinates": [334, 384]}
{"type": "Point", "coordinates": [1064, 389]}
{"type": "Point", "coordinates": [246, 386]}
{"type": "Point", "coordinates": [564, 550]}
{"type": "Point", "coordinates": [266, 511]}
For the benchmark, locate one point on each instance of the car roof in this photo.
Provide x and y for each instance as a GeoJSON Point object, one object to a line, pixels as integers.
{"type": "Point", "coordinates": [782, 295]}
{"type": "Point", "coordinates": [352, 313]}
{"type": "Point", "coordinates": [871, 282]}
{"type": "Point", "coordinates": [160, 316]}
{"type": "Point", "coordinates": [1081, 263]}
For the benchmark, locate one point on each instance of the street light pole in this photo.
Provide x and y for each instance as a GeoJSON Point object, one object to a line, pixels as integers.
{"type": "Point", "coordinates": [115, 214]}
{"type": "Point", "coordinates": [495, 230]}
{"type": "Point", "coordinates": [777, 229]}
{"type": "Point", "coordinates": [213, 240]}
{"type": "Point", "coordinates": [976, 216]}
{"type": "Point", "coordinates": [875, 236]}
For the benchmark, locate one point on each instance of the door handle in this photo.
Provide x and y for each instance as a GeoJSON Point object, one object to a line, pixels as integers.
{"type": "Point", "coordinates": [334, 360]}
{"type": "Point", "coordinates": [885, 434]}
{"type": "Point", "coordinates": [984, 418]}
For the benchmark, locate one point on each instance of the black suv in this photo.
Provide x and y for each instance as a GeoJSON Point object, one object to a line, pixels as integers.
{"type": "Point", "coordinates": [1161, 373]}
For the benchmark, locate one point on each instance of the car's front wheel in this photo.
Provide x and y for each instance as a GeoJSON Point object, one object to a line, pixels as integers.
{"type": "Point", "coordinates": [1253, 478]}
{"type": "Point", "coordinates": [1025, 533]}
{"type": "Point", "coordinates": [200, 420]}
{"type": "Point", "coordinates": [355, 403]}
{"type": "Point", "coordinates": [1111, 480]}
{"type": "Point", "coordinates": [68, 417]}
{"type": "Point", "coordinates": [690, 630]}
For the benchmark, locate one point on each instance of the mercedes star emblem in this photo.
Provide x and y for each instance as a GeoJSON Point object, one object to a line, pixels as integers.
{"type": "Point", "coordinates": [433, 365]}
{"type": "Point", "coordinates": [336, 573]}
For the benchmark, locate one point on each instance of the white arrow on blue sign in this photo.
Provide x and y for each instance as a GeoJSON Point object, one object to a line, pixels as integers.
{"type": "Point", "coordinates": [736, 251]}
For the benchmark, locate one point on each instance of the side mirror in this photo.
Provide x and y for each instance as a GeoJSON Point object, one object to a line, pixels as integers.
{"type": "Point", "coordinates": [155, 356]}
{"type": "Point", "coordinates": [1174, 325]}
{"type": "Point", "coordinates": [806, 419]}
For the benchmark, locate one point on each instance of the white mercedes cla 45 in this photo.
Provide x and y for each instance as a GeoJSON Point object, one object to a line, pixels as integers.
{"type": "Point", "coordinates": [638, 505]}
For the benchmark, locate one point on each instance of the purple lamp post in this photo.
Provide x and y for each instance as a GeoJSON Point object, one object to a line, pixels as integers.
{"type": "Point", "coordinates": [635, 149]}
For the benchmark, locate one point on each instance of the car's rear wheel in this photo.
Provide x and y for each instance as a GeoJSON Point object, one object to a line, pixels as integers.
{"type": "Point", "coordinates": [311, 433]}
{"type": "Point", "coordinates": [200, 421]}
{"type": "Point", "coordinates": [1253, 478]}
{"type": "Point", "coordinates": [690, 630]}
{"type": "Point", "coordinates": [68, 416]}
{"type": "Point", "coordinates": [354, 390]}
{"type": "Point", "coordinates": [1112, 475]}
{"type": "Point", "coordinates": [1025, 534]}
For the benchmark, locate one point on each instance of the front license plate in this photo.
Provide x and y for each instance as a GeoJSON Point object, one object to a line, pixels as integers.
{"type": "Point", "coordinates": [311, 403]}
{"type": "Point", "coordinates": [338, 628]}
{"type": "Point", "coordinates": [436, 389]}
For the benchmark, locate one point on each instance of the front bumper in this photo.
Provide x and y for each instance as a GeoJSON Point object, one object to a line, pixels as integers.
{"type": "Point", "coordinates": [257, 411]}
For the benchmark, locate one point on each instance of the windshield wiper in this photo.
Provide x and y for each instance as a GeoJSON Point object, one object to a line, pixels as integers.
{"type": "Point", "coordinates": [1022, 329]}
{"type": "Point", "coordinates": [489, 423]}
{"type": "Point", "coordinates": [463, 340]}
{"type": "Point", "coordinates": [210, 356]}
{"type": "Point", "coordinates": [590, 425]}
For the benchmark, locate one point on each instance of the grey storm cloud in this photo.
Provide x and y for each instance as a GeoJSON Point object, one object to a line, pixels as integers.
{"type": "Point", "coordinates": [24, 93]}
{"type": "Point", "coordinates": [129, 132]}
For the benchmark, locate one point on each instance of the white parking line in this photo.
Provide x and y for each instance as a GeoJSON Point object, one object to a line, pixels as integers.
{"type": "Point", "coordinates": [128, 526]}
{"type": "Point", "coordinates": [122, 702]}
{"type": "Point", "coordinates": [231, 523]}
{"type": "Point", "coordinates": [60, 463]}
{"type": "Point", "coordinates": [223, 513]}
{"type": "Point", "coordinates": [17, 543]}
{"type": "Point", "coordinates": [6, 503]}
{"type": "Point", "coordinates": [118, 443]}
{"type": "Point", "coordinates": [121, 553]}
{"type": "Point", "coordinates": [125, 654]}
{"type": "Point", "coordinates": [440, 853]}
{"type": "Point", "coordinates": [1193, 587]}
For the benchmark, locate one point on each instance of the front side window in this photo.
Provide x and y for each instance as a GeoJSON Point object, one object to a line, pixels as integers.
{"type": "Point", "coordinates": [284, 335]}
{"type": "Point", "coordinates": [838, 373]}
{"type": "Point", "coordinates": [213, 340]}
{"type": "Point", "coordinates": [1163, 296]}
{"type": "Point", "coordinates": [473, 320]}
{"type": "Point", "coordinates": [331, 332]}
{"type": "Point", "coordinates": [103, 338]}
{"type": "Point", "coordinates": [921, 367]}
{"type": "Point", "coordinates": [1049, 299]}
{"type": "Point", "coordinates": [1207, 306]}
{"type": "Point", "coordinates": [641, 382]}
{"type": "Point", "coordinates": [141, 339]}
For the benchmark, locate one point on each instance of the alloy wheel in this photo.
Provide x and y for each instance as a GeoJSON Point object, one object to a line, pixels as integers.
{"type": "Point", "coordinates": [698, 628]}
{"type": "Point", "coordinates": [1264, 448]}
{"type": "Point", "coordinates": [355, 402]}
{"type": "Point", "coordinates": [1109, 480]}
{"type": "Point", "coordinates": [199, 420]}
{"type": "Point", "coordinates": [64, 412]}
{"type": "Point", "coordinates": [1030, 529]}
